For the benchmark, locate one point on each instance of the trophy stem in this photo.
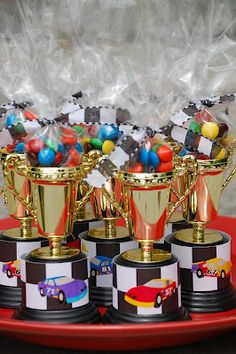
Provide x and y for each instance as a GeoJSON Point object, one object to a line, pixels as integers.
{"type": "Point", "coordinates": [55, 246]}
{"type": "Point", "coordinates": [110, 228]}
{"type": "Point", "coordinates": [146, 251]}
{"type": "Point", "coordinates": [198, 233]}
{"type": "Point", "coordinates": [26, 227]}
{"type": "Point", "coordinates": [80, 214]}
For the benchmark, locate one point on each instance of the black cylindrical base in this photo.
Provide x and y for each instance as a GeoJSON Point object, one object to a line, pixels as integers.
{"type": "Point", "coordinates": [10, 297]}
{"type": "Point", "coordinates": [100, 252]}
{"type": "Point", "coordinates": [84, 314]}
{"type": "Point", "coordinates": [101, 297]}
{"type": "Point", "coordinates": [210, 301]}
{"type": "Point", "coordinates": [114, 316]}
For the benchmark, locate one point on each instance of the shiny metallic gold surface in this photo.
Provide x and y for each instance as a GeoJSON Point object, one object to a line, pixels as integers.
{"type": "Point", "coordinates": [85, 212]}
{"type": "Point", "coordinates": [16, 233]}
{"type": "Point", "coordinates": [208, 237]}
{"type": "Point", "coordinates": [156, 256]}
{"type": "Point", "coordinates": [45, 253]}
{"type": "Point", "coordinates": [101, 233]}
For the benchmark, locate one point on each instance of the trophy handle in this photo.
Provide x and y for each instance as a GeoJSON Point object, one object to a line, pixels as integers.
{"type": "Point", "coordinates": [112, 199]}
{"type": "Point", "coordinates": [189, 163]}
{"type": "Point", "coordinates": [14, 160]}
{"type": "Point", "coordinates": [228, 179]}
{"type": "Point", "coordinates": [3, 195]}
{"type": "Point", "coordinates": [84, 199]}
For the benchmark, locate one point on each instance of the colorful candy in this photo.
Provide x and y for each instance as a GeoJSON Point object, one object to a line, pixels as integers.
{"type": "Point", "coordinates": [210, 130]}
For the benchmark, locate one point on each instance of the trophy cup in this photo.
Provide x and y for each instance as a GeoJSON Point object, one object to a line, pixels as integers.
{"type": "Point", "coordinates": [204, 254]}
{"type": "Point", "coordinates": [102, 244]}
{"type": "Point", "coordinates": [54, 279]}
{"type": "Point", "coordinates": [146, 283]}
{"type": "Point", "coordinates": [16, 241]}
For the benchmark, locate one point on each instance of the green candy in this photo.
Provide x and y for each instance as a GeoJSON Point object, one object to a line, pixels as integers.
{"type": "Point", "coordinates": [96, 143]}
{"type": "Point", "coordinates": [155, 147]}
{"type": "Point", "coordinates": [79, 130]}
{"type": "Point", "coordinates": [51, 144]}
{"type": "Point", "coordinates": [194, 127]}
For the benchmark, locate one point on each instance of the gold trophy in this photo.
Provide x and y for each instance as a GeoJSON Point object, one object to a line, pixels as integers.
{"type": "Point", "coordinates": [15, 241]}
{"type": "Point", "coordinates": [54, 278]}
{"type": "Point", "coordinates": [146, 285]}
{"type": "Point", "coordinates": [204, 254]}
{"type": "Point", "coordinates": [102, 244]}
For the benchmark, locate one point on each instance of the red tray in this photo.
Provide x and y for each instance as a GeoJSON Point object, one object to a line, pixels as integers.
{"type": "Point", "coordinates": [127, 336]}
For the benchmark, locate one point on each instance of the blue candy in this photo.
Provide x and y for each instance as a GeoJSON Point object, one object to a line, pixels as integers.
{"type": "Point", "coordinates": [183, 152]}
{"type": "Point", "coordinates": [79, 147]}
{"type": "Point", "coordinates": [20, 148]}
{"type": "Point", "coordinates": [11, 119]}
{"type": "Point", "coordinates": [144, 156]}
{"type": "Point", "coordinates": [154, 159]}
{"type": "Point", "coordinates": [61, 148]}
{"type": "Point", "coordinates": [109, 132]}
{"type": "Point", "coordinates": [46, 157]}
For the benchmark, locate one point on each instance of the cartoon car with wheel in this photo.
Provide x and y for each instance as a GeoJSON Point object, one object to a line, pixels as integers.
{"type": "Point", "coordinates": [152, 293]}
{"type": "Point", "coordinates": [12, 269]}
{"type": "Point", "coordinates": [66, 290]}
{"type": "Point", "coordinates": [215, 267]}
{"type": "Point", "coordinates": [101, 265]}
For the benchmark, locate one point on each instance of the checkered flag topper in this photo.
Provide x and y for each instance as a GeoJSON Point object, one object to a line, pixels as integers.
{"type": "Point", "coordinates": [55, 285]}
{"type": "Point", "coordinates": [10, 254]}
{"type": "Point", "coordinates": [160, 284]}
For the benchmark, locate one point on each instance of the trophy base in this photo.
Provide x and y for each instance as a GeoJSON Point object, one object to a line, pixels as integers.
{"type": "Point", "coordinates": [56, 290]}
{"type": "Point", "coordinates": [11, 250]}
{"type": "Point", "coordinates": [210, 301]}
{"type": "Point", "coordinates": [84, 314]}
{"type": "Point", "coordinates": [158, 255]}
{"type": "Point", "coordinates": [101, 251]}
{"type": "Point", "coordinates": [84, 225]}
{"type": "Point", "coordinates": [45, 253]}
{"type": "Point", "coordinates": [210, 237]}
{"type": "Point", "coordinates": [205, 271]}
{"type": "Point", "coordinates": [100, 233]}
{"type": "Point", "coordinates": [15, 234]}
{"type": "Point", "coordinates": [114, 316]}
{"type": "Point", "coordinates": [101, 297]}
{"type": "Point", "coordinates": [145, 292]}
{"type": "Point", "coordinates": [10, 297]}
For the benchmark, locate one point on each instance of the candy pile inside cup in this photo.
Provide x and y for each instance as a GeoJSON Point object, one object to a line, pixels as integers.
{"type": "Point", "coordinates": [154, 155]}
{"type": "Point", "coordinates": [97, 137]}
{"type": "Point", "coordinates": [207, 125]}
{"type": "Point", "coordinates": [53, 146]}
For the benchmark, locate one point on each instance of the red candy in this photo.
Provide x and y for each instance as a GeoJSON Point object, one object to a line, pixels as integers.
{"type": "Point", "coordinates": [58, 158]}
{"type": "Point", "coordinates": [137, 168]}
{"type": "Point", "coordinates": [74, 156]}
{"type": "Point", "coordinates": [164, 153]}
{"type": "Point", "coordinates": [30, 115]}
{"type": "Point", "coordinates": [35, 145]}
{"type": "Point", "coordinates": [165, 166]}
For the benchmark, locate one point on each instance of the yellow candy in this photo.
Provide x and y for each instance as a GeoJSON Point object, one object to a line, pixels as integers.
{"type": "Point", "coordinates": [107, 147]}
{"type": "Point", "coordinates": [221, 155]}
{"type": "Point", "coordinates": [228, 140]}
{"type": "Point", "coordinates": [210, 130]}
{"type": "Point", "coordinates": [85, 140]}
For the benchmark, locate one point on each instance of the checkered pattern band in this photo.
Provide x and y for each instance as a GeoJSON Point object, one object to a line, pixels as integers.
{"type": "Point", "coordinates": [11, 251]}
{"type": "Point", "coordinates": [100, 251]}
{"type": "Point", "coordinates": [192, 258]}
{"type": "Point", "coordinates": [73, 113]}
{"type": "Point", "coordinates": [126, 278]}
{"type": "Point", "coordinates": [42, 284]}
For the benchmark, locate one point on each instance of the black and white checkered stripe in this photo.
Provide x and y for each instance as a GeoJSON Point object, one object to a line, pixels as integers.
{"type": "Point", "coordinates": [190, 254]}
{"type": "Point", "coordinates": [99, 247]}
{"type": "Point", "coordinates": [11, 250]}
{"type": "Point", "coordinates": [125, 278]}
{"type": "Point", "coordinates": [73, 113]}
{"type": "Point", "coordinates": [33, 273]}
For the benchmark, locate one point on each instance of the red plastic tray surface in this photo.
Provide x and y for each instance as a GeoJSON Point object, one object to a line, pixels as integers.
{"type": "Point", "coordinates": [125, 336]}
